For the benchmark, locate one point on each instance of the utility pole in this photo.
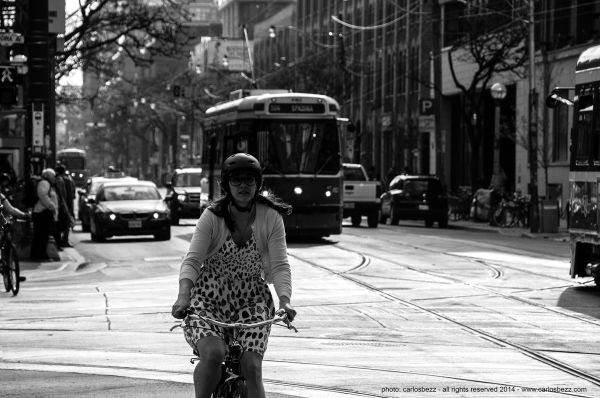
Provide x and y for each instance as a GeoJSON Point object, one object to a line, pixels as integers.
{"type": "Point", "coordinates": [437, 44]}
{"type": "Point", "coordinates": [534, 214]}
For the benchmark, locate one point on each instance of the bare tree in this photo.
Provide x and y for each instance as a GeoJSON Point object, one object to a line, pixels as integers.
{"type": "Point", "coordinates": [494, 40]}
{"type": "Point", "coordinates": [99, 29]}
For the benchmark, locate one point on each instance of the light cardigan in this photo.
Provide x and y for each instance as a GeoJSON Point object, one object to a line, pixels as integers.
{"type": "Point", "coordinates": [269, 232]}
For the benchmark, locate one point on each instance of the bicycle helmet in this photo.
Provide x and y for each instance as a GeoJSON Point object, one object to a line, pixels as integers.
{"type": "Point", "coordinates": [240, 162]}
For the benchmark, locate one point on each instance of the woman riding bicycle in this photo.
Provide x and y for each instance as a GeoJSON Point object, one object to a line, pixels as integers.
{"type": "Point", "coordinates": [10, 209]}
{"type": "Point", "coordinates": [237, 247]}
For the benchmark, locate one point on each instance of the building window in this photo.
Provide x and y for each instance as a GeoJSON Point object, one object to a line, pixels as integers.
{"type": "Point", "coordinates": [560, 134]}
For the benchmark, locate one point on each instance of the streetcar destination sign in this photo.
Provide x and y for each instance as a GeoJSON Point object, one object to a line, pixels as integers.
{"type": "Point", "coordinates": [296, 108]}
{"type": "Point", "coordinates": [10, 38]}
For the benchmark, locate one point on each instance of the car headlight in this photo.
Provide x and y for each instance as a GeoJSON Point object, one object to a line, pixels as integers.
{"type": "Point", "coordinates": [159, 215]}
{"type": "Point", "coordinates": [181, 197]}
{"type": "Point", "coordinates": [108, 216]}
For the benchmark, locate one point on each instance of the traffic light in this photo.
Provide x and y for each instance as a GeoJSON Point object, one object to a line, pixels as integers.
{"type": "Point", "coordinates": [8, 94]}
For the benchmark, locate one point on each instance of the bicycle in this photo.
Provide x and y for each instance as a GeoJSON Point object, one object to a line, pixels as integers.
{"type": "Point", "coordinates": [232, 384]}
{"type": "Point", "coordinates": [9, 261]}
{"type": "Point", "coordinates": [512, 211]}
{"type": "Point", "coordinates": [459, 205]}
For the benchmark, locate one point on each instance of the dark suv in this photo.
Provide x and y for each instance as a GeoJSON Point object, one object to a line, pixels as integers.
{"type": "Point", "coordinates": [415, 197]}
{"type": "Point", "coordinates": [187, 193]}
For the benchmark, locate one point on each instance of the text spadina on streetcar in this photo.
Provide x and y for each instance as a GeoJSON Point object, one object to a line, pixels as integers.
{"type": "Point", "coordinates": [296, 138]}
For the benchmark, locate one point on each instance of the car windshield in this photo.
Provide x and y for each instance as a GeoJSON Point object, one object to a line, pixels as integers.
{"type": "Point", "coordinates": [353, 173]}
{"type": "Point", "coordinates": [189, 179]}
{"type": "Point", "coordinates": [129, 193]}
{"type": "Point", "coordinates": [95, 187]}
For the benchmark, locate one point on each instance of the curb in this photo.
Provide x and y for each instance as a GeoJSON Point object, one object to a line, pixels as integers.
{"type": "Point", "coordinates": [561, 235]}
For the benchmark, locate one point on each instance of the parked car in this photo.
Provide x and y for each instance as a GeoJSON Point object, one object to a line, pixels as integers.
{"type": "Point", "coordinates": [415, 197]}
{"type": "Point", "coordinates": [129, 208]}
{"type": "Point", "coordinates": [361, 196]}
{"type": "Point", "coordinates": [87, 195]}
{"type": "Point", "coordinates": [187, 193]}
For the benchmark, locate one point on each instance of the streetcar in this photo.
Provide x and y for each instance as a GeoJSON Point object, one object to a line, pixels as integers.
{"type": "Point", "coordinates": [296, 138]}
{"type": "Point", "coordinates": [74, 160]}
{"type": "Point", "coordinates": [584, 170]}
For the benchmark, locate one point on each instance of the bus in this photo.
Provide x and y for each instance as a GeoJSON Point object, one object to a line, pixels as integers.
{"type": "Point", "coordinates": [74, 161]}
{"type": "Point", "coordinates": [584, 169]}
{"type": "Point", "coordinates": [296, 138]}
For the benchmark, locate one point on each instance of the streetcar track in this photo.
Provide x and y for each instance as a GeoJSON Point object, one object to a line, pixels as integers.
{"type": "Point", "coordinates": [510, 296]}
{"type": "Point", "coordinates": [506, 266]}
{"type": "Point", "coordinates": [316, 387]}
{"type": "Point", "coordinates": [534, 354]}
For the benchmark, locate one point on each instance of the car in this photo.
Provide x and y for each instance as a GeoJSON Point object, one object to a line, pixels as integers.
{"type": "Point", "coordinates": [415, 197]}
{"type": "Point", "coordinates": [187, 193]}
{"type": "Point", "coordinates": [129, 208]}
{"type": "Point", "coordinates": [87, 194]}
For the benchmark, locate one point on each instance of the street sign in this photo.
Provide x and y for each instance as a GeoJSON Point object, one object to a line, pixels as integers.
{"type": "Point", "coordinates": [426, 106]}
{"type": "Point", "coordinates": [10, 38]}
{"type": "Point", "coordinates": [427, 123]}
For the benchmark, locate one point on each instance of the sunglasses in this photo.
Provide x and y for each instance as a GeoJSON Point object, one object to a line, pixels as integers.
{"type": "Point", "coordinates": [236, 181]}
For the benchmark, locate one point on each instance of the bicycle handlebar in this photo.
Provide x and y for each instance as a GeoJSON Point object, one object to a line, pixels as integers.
{"type": "Point", "coordinates": [236, 325]}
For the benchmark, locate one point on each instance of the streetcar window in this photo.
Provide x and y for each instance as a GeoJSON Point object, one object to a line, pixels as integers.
{"type": "Point", "coordinates": [585, 130]}
{"type": "Point", "coordinates": [302, 146]}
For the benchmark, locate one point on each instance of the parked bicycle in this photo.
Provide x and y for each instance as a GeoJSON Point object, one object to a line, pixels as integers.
{"type": "Point", "coordinates": [513, 211]}
{"type": "Point", "coordinates": [459, 205]}
{"type": "Point", "coordinates": [231, 383]}
{"type": "Point", "coordinates": [9, 261]}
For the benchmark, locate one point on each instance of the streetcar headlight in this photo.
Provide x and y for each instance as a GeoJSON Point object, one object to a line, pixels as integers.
{"type": "Point", "coordinates": [328, 193]}
{"type": "Point", "coordinates": [298, 190]}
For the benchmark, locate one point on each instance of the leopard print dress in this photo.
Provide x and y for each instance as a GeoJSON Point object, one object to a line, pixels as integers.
{"type": "Point", "coordinates": [230, 289]}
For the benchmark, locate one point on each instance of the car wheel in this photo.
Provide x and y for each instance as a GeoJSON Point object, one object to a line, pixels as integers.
{"type": "Point", "coordinates": [443, 223]}
{"type": "Point", "coordinates": [174, 218]}
{"type": "Point", "coordinates": [356, 219]}
{"type": "Point", "coordinates": [97, 237]}
{"type": "Point", "coordinates": [394, 216]}
{"type": "Point", "coordinates": [372, 219]}
{"type": "Point", "coordinates": [428, 223]}
{"type": "Point", "coordinates": [382, 219]}
{"type": "Point", "coordinates": [166, 235]}
{"type": "Point", "coordinates": [85, 226]}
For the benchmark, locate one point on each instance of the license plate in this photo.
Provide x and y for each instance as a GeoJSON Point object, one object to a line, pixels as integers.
{"type": "Point", "coordinates": [135, 224]}
{"type": "Point", "coordinates": [348, 205]}
{"type": "Point", "coordinates": [423, 207]}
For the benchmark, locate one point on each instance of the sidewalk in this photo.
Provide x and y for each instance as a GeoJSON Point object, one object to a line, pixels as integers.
{"type": "Point", "coordinates": [70, 261]}
{"type": "Point", "coordinates": [561, 235]}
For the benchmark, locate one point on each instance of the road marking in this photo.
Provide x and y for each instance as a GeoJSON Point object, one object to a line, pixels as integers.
{"type": "Point", "coordinates": [156, 259]}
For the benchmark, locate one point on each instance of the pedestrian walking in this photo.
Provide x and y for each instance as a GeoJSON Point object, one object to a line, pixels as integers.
{"type": "Point", "coordinates": [240, 239]}
{"type": "Point", "coordinates": [44, 215]}
{"type": "Point", "coordinates": [65, 188]}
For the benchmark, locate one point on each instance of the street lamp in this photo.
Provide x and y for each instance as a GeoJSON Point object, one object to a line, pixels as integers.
{"type": "Point", "coordinates": [498, 91]}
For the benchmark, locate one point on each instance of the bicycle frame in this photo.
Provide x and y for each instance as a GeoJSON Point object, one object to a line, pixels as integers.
{"type": "Point", "coordinates": [232, 383]}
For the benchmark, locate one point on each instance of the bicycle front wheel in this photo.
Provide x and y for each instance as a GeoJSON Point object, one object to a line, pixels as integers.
{"type": "Point", "coordinates": [13, 270]}
{"type": "Point", "coordinates": [232, 388]}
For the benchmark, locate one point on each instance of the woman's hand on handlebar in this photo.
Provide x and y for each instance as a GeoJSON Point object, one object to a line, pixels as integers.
{"type": "Point", "coordinates": [285, 306]}
{"type": "Point", "coordinates": [181, 307]}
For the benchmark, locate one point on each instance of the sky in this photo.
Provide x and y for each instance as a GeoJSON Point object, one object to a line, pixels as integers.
{"type": "Point", "coordinates": [75, 78]}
